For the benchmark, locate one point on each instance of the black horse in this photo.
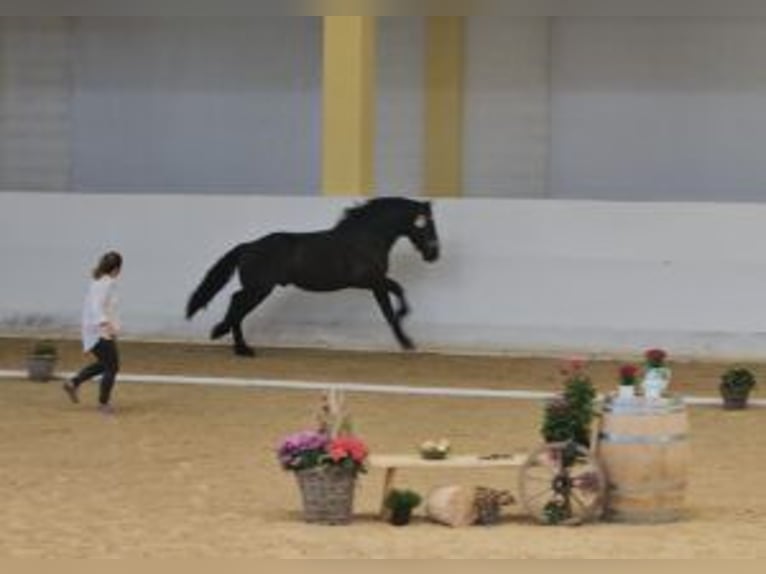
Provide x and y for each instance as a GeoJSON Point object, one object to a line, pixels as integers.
{"type": "Point", "coordinates": [352, 254]}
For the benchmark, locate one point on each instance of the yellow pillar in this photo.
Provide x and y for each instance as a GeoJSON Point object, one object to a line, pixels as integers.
{"type": "Point", "coordinates": [348, 110]}
{"type": "Point", "coordinates": [443, 138]}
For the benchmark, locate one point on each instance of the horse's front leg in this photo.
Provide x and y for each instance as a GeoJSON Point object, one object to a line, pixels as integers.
{"type": "Point", "coordinates": [398, 291]}
{"type": "Point", "coordinates": [384, 302]}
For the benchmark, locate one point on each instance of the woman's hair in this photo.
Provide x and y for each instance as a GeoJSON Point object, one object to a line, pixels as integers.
{"type": "Point", "coordinates": [109, 262]}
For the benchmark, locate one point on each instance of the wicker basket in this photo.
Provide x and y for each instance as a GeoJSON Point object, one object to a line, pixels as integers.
{"type": "Point", "coordinates": [328, 494]}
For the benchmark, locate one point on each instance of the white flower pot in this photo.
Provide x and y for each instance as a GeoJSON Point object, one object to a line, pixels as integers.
{"type": "Point", "coordinates": [626, 392]}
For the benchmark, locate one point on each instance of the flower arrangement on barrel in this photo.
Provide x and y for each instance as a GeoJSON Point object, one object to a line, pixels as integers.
{"type": "Point", "coordinates": [655, 380]}
{"type": "Point", "coordinates": [326, 463]}
{"type": "Point", "coordinates": [656, 373]}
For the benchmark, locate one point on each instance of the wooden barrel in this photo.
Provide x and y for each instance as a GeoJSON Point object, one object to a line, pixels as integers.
{"type": "Point", "coordinates": [644, 449]}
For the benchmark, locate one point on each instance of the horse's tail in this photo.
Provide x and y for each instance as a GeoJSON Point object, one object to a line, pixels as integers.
{"type": "Point", "coordinates": [218, 275]}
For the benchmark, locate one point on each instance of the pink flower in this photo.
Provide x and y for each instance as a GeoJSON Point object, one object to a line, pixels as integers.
{"type": "Point", "coordinates": [573, 366]}
{"type": "Point", "coordinates": [347, 446]}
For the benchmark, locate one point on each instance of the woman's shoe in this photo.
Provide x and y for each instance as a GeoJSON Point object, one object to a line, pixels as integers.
{"type": "Point", "coordinates": [71, 390]}
{"type": "Point", "coordinates": [106, 409]}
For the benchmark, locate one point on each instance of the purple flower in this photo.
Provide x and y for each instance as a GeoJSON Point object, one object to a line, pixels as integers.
{"type": "Point", "coordinates": [300, 450]}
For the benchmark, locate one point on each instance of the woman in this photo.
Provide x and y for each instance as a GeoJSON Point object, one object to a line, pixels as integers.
{"type": "Point", "coordinates": [100, 325]}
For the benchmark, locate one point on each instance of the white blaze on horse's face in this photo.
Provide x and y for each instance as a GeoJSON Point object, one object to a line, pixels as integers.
{"type": "Point", "coordinates": [424, 236]}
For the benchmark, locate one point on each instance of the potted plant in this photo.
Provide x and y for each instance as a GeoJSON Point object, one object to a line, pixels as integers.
{"type": "Point", "coordinates": [627, 387]}
{"type": "Point", "coordinates": [568, 416]}
{"type": "Point", "coordinates": [41, 361]}
{"type": "Point", "coordinates": [736, 384]}
{"type": "Point", "coordinates": [400, 504]}
{"type": "Point", "coordinates": [656, 374]}
{"type": "Point", "coordinates": [326, 463]}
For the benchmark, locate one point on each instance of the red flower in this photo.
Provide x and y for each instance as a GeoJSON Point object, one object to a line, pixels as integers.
{"type": "Point", "coordinates": [628, 373]}
{"type": "Point", "coordinates": [655, 357]}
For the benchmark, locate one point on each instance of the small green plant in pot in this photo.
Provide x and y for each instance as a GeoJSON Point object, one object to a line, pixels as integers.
{"type": "Point", "coordinates": [735, 387]}
{"type": "Point", "coordinates": [400, 503]}
{"type": "Point", "coordinates": [41, 361]}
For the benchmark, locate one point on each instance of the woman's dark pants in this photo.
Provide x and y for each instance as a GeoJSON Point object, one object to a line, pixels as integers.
{"type": "Point", "coordinates": [107, 365]}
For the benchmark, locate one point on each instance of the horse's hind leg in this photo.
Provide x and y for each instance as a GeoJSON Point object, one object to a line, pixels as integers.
{"type": "Point", "coordinates": [242, 302]}
{"type": "Point", "coordinates": [384, 302]}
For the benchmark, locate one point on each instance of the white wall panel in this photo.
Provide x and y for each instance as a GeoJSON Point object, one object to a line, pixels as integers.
{"type": "Point", "coordinates": [506, 107]}
{"type": "Point", "coordinates": [537, 276]}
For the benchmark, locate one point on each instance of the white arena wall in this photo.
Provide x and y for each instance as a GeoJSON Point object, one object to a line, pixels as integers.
{"type": "Point", "coordinates": [516, 276]}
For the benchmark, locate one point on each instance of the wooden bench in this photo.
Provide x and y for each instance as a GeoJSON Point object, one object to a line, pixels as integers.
{"type": "Point", "coordinates": [392, 462]}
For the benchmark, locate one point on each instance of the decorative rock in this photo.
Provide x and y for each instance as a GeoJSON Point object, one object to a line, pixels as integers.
{"type": "Point", "coordinates": [452, 505]}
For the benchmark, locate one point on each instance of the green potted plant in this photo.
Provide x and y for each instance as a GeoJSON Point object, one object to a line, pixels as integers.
{"type": "Point", "coordinates": [41, 361]}
{"type": "Point", "coordinates": [400, 504]}
{"type": "Point", "coordinates": [735, 387]}
{"type": "Point", "coordinates": [568, 416]}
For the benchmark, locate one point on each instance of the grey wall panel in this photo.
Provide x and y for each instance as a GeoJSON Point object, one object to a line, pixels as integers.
{"type": "Point", "coordinates": [35, 88]}
{"type": "Point", "coordinates": [506, 107]}
{"type": "Point", "coordinates": [399, 115]}
{"type": "Point", "coordinates": [659, 109]}
{"type": "Point", "coordinates": [210, 105]}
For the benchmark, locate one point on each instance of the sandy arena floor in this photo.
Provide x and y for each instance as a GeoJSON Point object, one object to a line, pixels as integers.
{"type": "Point", "coordinates": [186, 471]}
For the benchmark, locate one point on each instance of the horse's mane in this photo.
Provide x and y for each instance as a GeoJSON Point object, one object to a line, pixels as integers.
{"type": "Point", "coordinates": [373, 209]}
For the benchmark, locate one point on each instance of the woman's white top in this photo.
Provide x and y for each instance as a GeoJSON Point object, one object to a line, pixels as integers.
{"type": "Point", "coordinates": [100, 307]}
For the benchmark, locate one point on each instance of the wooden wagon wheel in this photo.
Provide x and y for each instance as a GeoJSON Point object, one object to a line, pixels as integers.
{"type": "Point", "coordinates": [562, 483]}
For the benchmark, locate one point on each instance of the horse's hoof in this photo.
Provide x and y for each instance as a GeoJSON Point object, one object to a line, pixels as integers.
{"type": "Point", "coordinates": [408, 345]}
{"type": "Point", "coordinates": [244, 351]}
{"type": "Point", "coordinates": [219, 331]}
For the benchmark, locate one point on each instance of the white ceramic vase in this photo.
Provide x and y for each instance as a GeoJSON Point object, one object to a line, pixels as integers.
{"type": "Point", "coordinates": [656, 381]}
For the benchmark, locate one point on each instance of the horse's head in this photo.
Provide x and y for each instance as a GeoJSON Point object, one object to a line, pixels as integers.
{"type": "Point", "coordinates": [422, 231]}
{"type": "Point", "coordinates": [393, 217]}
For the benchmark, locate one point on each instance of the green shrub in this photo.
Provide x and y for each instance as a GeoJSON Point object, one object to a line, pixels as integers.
{"type": "Point", "coordinates": [44, 348]}
{"type": "Point", "coordinates": [397, 498]}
